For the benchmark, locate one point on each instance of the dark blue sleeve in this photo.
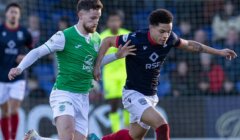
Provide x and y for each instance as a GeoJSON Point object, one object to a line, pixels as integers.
{"type": "Point", "coordinates": [28, 40]}
{"type": "Point", "coordinates": [122, 39]}
{"type": "Point", "coordinates": [175, 40]}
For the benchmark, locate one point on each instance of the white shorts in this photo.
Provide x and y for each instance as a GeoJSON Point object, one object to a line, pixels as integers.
{"type": "Point", "coordinates": [136, 103]}
{"type": "Point", "coordinates": [14, 90]}
{"type": "Point", "coordinates": [73, 104]}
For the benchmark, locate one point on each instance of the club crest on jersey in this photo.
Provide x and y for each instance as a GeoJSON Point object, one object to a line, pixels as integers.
{"type": "Point", "coordinates": [125, 37]}
{"type": "Point", "coordinates": [88, 63]}
{"type": "Point", "coordinates": [20, 35]}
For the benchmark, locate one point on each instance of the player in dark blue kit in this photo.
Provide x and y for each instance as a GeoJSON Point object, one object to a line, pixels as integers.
{"type": "Point", "coordinates": [143, 71]}
{"type": "Point", "coordinates": [14, 40]}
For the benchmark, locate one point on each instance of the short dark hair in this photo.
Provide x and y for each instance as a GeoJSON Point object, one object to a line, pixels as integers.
{"type": "Point", "coordinates": [89, 4]}
{"type": "Point", "coordinates": [12, 5]}
{"type": "Point", "coordinates": [160, 16]}
{"type": "Point", "coordinates": [118, 13]}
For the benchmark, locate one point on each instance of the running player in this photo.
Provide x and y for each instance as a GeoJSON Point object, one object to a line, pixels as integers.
{"type": "Point", "coordinates": [14, 42]}
{"type": "Point", "coordinates": [114, 74]}
{"type": "Point", "coordinates": [76, 49]}
{"type": "Point", "coordinates": [143, 71]}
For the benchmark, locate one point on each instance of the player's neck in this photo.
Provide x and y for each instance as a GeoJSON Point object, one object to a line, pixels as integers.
{"type": "Point", "coordinates": [11, 26]}
{"type": "Point", "coordinates": [82, 30]}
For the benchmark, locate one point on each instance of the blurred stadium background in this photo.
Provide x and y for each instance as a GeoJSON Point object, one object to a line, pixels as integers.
{"type": "Point", "coordinates": [199, 93]}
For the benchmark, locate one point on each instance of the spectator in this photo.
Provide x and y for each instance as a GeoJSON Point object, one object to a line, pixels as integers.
{"type": "Point", "coordinates": [33, 23]}
{"type": "Point", "coordinates": [185, 29]}
{"type": "Point", "coordinates": [211, 75]}
{"type": "Point", "coordinates": [224, 21]}
{"type": "Point", "coordinates": [63, 23]}
{"type": "Point", "coordinates": [181, 80]}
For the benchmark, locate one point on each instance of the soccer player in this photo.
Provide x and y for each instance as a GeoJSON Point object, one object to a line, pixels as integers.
{"type": "Point", "coordinates": [143, 71]}
{"type": "Point", "coordinates": [76, 49]}
{"type": "Point", "coordinates": [14, 42]}
{"type": "Point", "coordinates": [114, 74]}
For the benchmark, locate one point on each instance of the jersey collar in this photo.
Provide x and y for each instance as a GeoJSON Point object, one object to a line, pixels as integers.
{"type": "Point", "coordinates": [152, 42]}
{"type": "Point", "coordinates": [87, 37]}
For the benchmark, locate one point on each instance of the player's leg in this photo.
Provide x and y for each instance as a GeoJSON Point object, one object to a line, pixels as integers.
{"type": "Point", "coordinates": [16, 93]}
{"type": "Point", "coordinates": [14, 105]}
{"type": "Point", "coordinates": [65, 127]}
{"type": "Point", "coordinates": [5, 120]}
{"type": "Point", "coordinates": [81, 104]}
{"type": "Point", "coordinates": [63, 113]}
{"type": "Point", "coordinates": [154, 119]}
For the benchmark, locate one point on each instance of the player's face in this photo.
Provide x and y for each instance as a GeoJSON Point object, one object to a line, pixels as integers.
{"type": "Point", "coordinates": [13, 15]}
{"type": "Point", "coordinates": [89, 19]}
{"type": "Point", "coordinates": [161, 32]}
{"type": "Point", "coordinates": [114, 23]}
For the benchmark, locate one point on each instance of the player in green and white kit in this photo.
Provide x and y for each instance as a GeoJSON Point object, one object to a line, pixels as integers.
{"type": "Point", "coordinates": [76, 50]}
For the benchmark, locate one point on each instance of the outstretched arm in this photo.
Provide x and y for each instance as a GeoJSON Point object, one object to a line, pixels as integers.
{"type": "Point", "coordinates": [55, 43]}
{"type": "Point", "coordinates": [123, 51]}
{"type": "Point", "coordinates": [194, 46]}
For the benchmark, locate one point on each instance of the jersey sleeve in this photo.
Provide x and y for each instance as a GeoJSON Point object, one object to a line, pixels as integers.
{"type": "Point", "coordinates": [29, 40]}
{"type": "Point", "coordinates": [56, 42]}
{"type": "Point", "coordinates": [176, 41]}
{"type": "Point", "coordinates": [122, 39]}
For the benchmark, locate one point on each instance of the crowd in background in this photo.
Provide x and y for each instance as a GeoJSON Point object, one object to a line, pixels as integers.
{"type": "Point", "coordinates": [214, 23]}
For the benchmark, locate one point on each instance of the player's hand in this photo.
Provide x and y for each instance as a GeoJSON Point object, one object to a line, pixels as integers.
{"type": "Point", "coordinates": [19, 58]}
{"type": "Point", "coordinates": [97, 73]}
{"type": "Point", "coordinates": [229, 54]}
{"type": "Point", "coordinates": [125, 50]}
{"type": "Point", "coordinates": [13, 73]}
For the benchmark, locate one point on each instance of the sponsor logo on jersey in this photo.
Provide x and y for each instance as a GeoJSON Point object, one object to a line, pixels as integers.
{"type": "Point", "coordinates": [88, 63]}
{"type": "Point", "coordinates": [78, 46]}
{"type": "Point", "coordinates": [20, 35]}
{"type": "Point", "coordinates": [11, 48]}
{"type": "Point", "coordinates": [125, 37]}
{"type": "Point", "coordinates": [154, 56]}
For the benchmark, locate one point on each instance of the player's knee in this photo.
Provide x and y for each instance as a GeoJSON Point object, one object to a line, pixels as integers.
{"type": "Point", "coordinates": [159, 121]}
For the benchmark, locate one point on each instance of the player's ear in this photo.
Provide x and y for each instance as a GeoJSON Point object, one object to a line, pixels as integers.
{"type": "Point", "coordinates": [80, 14]}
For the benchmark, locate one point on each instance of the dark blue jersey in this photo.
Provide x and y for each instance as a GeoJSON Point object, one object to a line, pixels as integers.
{"type": "Point", "coordinates": [143, 70]}
{"type": "Point", "coordinates": [12, 43]}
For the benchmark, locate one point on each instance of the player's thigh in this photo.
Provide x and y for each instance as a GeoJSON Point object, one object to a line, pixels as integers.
{"type": "Point", "coordinates": [4, 93]}
{"type": "Point", "coordinates": [152, 118]}
{"type": "Point", "coordinates": [65, 126]}
{"type": "Point", "coordinates": [14, 105]}
{"type": "Point", "coordinates": [137, 132]}
{"type": "Point", "coordinates": [79, 136]}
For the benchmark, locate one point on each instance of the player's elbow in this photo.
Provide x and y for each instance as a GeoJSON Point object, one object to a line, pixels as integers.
{"type": "Point", "coordinates": [108, 42]}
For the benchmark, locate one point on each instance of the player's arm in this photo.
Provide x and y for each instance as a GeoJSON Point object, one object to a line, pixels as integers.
{"type": "Point", "coordinates": [123, 51]}
{"type": "Point", "coordinates": [55, 43]}
{"type": "Point", "coordinates": [194, 46]}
